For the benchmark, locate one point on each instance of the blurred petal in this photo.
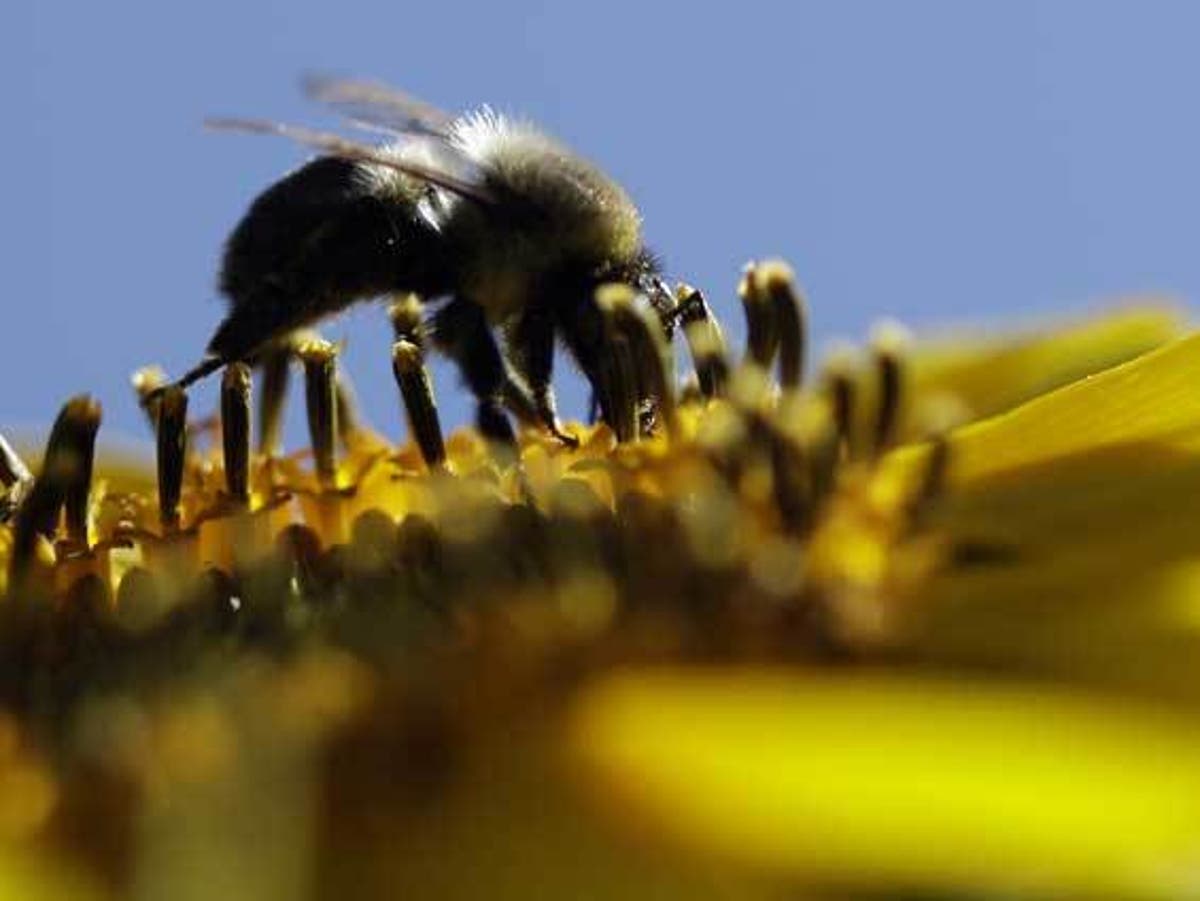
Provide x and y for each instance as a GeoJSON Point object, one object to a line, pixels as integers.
{"type": "Point", "coordinates": [988, 375]}
{"type": "Point", "coordinates": [873, 781]}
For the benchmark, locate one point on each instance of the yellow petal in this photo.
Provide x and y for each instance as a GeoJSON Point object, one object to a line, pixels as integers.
{"type": "Point", "coordinates": [987, 376]}
{"type": "Point", "coordinates": [1065, 520]}
{"type": "Point", "coordinates": [873, 781]}
{"type": "Point", "coordinates": [1150, 400]}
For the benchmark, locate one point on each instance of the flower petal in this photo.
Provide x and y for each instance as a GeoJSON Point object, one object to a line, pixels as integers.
{"type": "Point", "coordinates": [883, 781]}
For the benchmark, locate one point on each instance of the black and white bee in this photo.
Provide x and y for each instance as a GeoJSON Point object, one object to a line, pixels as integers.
{"type": "Point", "coordinates": [510, 231]}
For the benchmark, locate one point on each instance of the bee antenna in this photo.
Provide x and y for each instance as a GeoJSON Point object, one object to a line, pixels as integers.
{"type": "Point", "coordinates": [207, 366]}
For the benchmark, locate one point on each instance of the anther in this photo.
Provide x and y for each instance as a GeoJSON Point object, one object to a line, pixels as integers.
{"type": "Point", "coordinates": [320, 394]}
{"type": "Point", "coordinates": [792, 480]}
{"type": "Point", "coordinates": [616, 383]}
{"type": "Point", "coordinates": [74, 437]}
{"type": "Point", "coordinates": [650, 353]}
{"type": "Point", "coordinates": [65, 477]}
{"type": "Point", "coordinates": [888, 353]}
{"type": "Point", "coordinates": [235, 430]}
{"type": "Point", "coordinates": [704, 339]}
{"type": "Point", "coordinates": [778, 284]}
{"type": "Point", "coordinates": [34, 525]}
{"type": "Point", "coordinates": [762, 329]}
{"type": "Point", "coordinates": [148, 384]}
{"type": "Point", "coordinates": [622, 389]}
{"type": "Point", "coordinates": [419, 403]}
{"type": "Point", "coordinates": [407, 314]}
{"type": "Point", "coordinates": [172, 452]}
{"type": "Point", "coordinates": [840, 388]}
{"type": "Point", "coordinates": [15, 478]}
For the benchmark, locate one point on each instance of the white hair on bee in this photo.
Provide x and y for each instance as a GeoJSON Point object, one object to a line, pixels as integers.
{"type": "Point", "coordinates": [391, 182]}
{"type": "Point", "coordinates": [583, 201]}
{"type": "Point", "coordinates": [485, 134]}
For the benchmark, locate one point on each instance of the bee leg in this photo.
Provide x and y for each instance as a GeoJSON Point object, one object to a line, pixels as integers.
{"type": "Point", "coordinates": [518, 400]}
{"type": "Point", "coordinates": [581, 325]}
{"type": "Point", "coordinates": [531, 349]}
{"type": "Point", "coordinates": [461, 331]}
{"type": "Point", "coordinates": [275, 362]}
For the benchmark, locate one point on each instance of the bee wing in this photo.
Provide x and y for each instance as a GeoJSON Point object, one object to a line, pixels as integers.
{"type": "Point", "coordinates": [437, 171]}
{"type": "Point", "coordinates": [377, 106]}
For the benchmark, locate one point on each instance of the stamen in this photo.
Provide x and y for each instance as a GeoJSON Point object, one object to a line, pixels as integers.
{"type": "Point", "coordinates": [80, 421]}
{"type": "Point", "coordinates": [235, 430]}
{"type": "Point", "coordinates": [791, 320]}
{"type": "Point", "coordinates": [172, 452]}
{"type": "Point", "coordinates": [840, 388]}
{"type": "Point", "coordinates": [65, 477]}
{"type": "Point", "coordinates": [810, 423]}
{"type": "Point", "coordinates": [762, 330]}
{"type": "Point", "coordinates": [792, 479]}
{"type": "Point", "coordinates": [623, 393]}
{"type": "Point", "coordinates": [648, 348]}
{"type": "Point", "coordinates": [408, 319]}
{"type": "Point", "coordinates": [320, 394]}
{"type": "Point", "coordinates": [15, 478]}
{"type": "Point", "coordinates": [34, 525]}
{"type": "Point", "coordinates": [148, 383]}
{"type": "Point", "coordinates": [419, 403]}
{"type": "Point", "coordinates": [888, 351]}
{"type": "Point", "coordinates": [790, 470]}
{"type": "Point", "coordinates": [704, 339]}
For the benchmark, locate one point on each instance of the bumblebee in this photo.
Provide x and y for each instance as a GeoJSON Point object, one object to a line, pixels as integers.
{"type": "Point", "coordinates": [508, 230]}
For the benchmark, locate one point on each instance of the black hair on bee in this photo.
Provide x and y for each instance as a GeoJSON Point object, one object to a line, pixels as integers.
{"type": "Point", "coordinates": [507, 228]}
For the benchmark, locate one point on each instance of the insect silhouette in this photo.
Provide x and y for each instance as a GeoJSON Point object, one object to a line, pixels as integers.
{"type": "Point", "coordinates": [510, 232]}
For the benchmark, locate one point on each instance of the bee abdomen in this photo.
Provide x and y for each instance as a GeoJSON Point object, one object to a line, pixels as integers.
{"type": "Point", "coordinates": [312, 244]}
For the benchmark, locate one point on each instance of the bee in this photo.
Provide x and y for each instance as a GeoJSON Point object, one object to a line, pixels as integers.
{"type": "Point", "coordinates": [508, 230]}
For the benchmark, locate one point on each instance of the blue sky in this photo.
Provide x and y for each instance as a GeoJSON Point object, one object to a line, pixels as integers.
{"type": "Point", "coordinates": [931, 160]}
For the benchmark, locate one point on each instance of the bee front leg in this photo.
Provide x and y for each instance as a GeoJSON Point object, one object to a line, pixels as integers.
{"type": "Point", "coordinates": [581, 325]}
{"type": "Point", "coordinates": [531, 350]}
{"type": "Point", "coordinates": [461, 331]}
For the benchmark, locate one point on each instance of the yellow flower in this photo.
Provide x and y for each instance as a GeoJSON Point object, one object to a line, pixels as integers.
{"type": "Point", "coordinates": [925, 624]}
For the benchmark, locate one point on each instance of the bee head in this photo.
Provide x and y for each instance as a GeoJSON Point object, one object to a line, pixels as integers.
{"type": "Point", "coordinates": [644, 274]}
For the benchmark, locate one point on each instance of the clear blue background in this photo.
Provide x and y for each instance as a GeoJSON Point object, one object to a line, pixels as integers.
{"type": "Point", "coordinates": [933, 160]}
